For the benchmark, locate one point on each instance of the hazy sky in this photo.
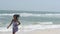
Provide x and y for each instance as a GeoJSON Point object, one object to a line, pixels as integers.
{"type": "Point", "coordinates": [30, 5]}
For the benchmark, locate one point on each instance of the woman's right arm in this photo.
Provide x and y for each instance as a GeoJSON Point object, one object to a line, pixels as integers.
{"type": "Point", "coordinates": [10, 24]}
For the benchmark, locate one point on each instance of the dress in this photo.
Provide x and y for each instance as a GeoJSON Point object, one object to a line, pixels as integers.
{"type": "Point", "coordinates": [15, 26]}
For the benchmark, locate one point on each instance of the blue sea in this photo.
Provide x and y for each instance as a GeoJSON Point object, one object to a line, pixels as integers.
{"type": "Point", "coordinates": [30, 20]}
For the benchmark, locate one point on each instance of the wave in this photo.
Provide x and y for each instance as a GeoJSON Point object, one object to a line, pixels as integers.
{"type": "Point", "coordinates": [30, 14]}
{"type": "Point", "coordinates": [26, 28]}
{"type": "Point", "coordinates": [6, 14]}
{"type": "Point", "coordinates": [45, 23]}
{"type": "Point", "coordinates": [38, 15]}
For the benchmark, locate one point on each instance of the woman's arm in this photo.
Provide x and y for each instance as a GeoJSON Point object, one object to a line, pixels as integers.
{"type": "Point", "coordinates": [19, 23]}
{"type": "Point", "coordinates": [10, 24]}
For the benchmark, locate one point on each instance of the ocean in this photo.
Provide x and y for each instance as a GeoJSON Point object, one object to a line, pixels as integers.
{"type": "Point", "coordinates": [30, 20]}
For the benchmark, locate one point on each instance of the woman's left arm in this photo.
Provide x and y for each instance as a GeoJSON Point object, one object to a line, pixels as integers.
{"type": "Point", "coordinates": [19, 23]}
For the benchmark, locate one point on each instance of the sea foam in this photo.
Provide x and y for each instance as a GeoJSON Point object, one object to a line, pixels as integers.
{"type": "Point", "coordinates": [30, 14]}
{"type": "Point", "coordinates": [26, 28]}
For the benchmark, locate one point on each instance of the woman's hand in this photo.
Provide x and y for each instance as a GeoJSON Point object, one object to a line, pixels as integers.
{"type": "Point", "coordinates": [7, 27]}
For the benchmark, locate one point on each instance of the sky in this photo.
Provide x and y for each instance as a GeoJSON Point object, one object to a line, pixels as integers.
{"type": "Point", "coordinates": [30, 5]}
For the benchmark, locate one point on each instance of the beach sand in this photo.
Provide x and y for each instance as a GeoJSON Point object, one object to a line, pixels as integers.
{"type": "Point", "coordinates": [45, 31]}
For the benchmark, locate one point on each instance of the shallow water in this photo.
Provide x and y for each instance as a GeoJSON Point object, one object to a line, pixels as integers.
{"type": "Point", "coordinates": [29, 18]}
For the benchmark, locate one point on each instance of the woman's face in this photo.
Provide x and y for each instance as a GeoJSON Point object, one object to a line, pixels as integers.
{"type": "Point", "coordinates": [15, 17]}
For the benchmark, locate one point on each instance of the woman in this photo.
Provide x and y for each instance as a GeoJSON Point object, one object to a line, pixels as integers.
{"type": "Point", "coordinates": [15, 23]}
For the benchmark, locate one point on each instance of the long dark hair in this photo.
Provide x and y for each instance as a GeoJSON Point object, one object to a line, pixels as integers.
{"type": "Point", "coordinates": [17, 16]}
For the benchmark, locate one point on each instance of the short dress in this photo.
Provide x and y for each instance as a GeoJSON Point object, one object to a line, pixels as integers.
{"type": "Point", "coordinates": [15, 26]}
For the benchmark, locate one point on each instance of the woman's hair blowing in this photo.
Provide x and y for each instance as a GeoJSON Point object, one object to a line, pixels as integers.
{"type": "Point", "coordinates": [17, 16]}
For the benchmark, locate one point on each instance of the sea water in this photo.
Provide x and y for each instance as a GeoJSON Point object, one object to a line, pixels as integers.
{"type": "Point", "coordinates": [30, 20]}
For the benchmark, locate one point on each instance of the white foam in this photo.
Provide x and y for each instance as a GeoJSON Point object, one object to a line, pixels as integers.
{"type": "Point", "coordinates": [45, 23]}
{"type": "Point", "coordinates": [38, 15]}
{"type": "Point", "coordinates": [26, 28]}
{"type": "Point", "coordinates": [3, 29]}
{"type": "Point", "coordinates": [34, 27]}
{"type": "Point", "coordinates": [30, 14]}
{"type": "Point", "coordinates": [6, 14]}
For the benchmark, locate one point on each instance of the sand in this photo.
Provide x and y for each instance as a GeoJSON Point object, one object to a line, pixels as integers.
{"type": "Point", "coordinates": [45, 31]}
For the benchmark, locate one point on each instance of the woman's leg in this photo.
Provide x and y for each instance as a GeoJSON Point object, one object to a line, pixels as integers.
{"type": "Point", "coordinates": [13, 32]}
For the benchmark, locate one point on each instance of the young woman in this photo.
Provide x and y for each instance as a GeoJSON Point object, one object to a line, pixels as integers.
{"type": "Point", "coordinates": [15, 23]}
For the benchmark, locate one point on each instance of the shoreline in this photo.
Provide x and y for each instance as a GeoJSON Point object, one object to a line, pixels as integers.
{"type": "Point", "coordinates": [38, 31]}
